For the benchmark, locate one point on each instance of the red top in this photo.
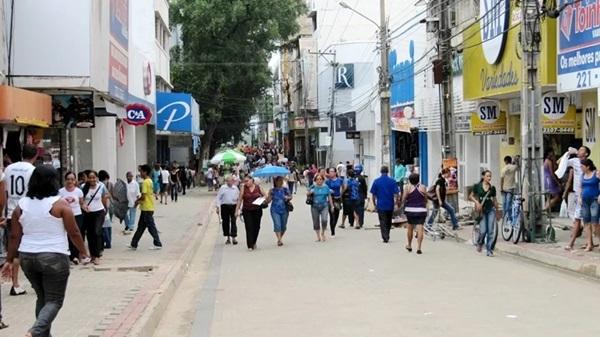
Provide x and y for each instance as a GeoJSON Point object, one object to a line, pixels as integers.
{"type": "Point", "coordinates": [249, 196]}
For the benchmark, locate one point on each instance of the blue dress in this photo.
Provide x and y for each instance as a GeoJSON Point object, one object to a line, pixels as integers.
{"type": "Point", "coordinates": [278, 203]}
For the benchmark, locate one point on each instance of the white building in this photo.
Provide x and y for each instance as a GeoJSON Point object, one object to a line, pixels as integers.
{"type": "Point", "coordinates": [101, 53]}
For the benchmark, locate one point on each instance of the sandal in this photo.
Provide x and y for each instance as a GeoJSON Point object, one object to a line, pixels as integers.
{"type": "Point", "coordinates": [3, 325]}
{"type": "Point", "coordinates": [409, 249]}
{"type": "Point", "coordinates": [569, 248]}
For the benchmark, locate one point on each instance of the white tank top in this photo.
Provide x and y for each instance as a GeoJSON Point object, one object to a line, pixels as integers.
{"type": "Point", "coordinates": [42, 231]}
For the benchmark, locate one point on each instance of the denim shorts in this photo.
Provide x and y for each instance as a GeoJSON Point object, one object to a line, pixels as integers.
{"type": "Point", "coordinates": [590, 211]}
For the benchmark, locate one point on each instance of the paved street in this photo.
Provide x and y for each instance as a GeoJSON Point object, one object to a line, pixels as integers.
{"type": "Point", "coordinates": [99, 298]}
{"type": "Point", "coordinates": [354, 285]}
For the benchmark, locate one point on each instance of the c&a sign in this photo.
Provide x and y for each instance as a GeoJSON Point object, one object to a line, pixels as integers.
{"type": "Point", "coordinates": [138, 114]}
{"type": "Point", "coordinates": [488, 119]}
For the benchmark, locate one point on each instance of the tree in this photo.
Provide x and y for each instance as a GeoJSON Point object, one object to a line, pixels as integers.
{"type": "Point", "coordinates": [223, 59]}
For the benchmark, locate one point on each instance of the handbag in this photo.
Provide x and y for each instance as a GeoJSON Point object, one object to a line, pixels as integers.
{"type": "Point", "coordinates": [289, 206]}
{"type": "Point", "coordinates": [478, 215]}
{"type": "Point", "coordinates": [309, 199]}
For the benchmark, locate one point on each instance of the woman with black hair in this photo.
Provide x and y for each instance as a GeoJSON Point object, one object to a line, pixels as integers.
{"type": "Point", "coordinates": [74, 197]}
{"type": "Point", "coordinates": [104, 178]}
{"type": "Point", "coordinates": [590, 210]}
{"type": "Point", "coordinates": [94, 208]}
{"type": "Point", "coordinates": [41, 223]}
{"type": "Point", "coordinates": [484, 197]}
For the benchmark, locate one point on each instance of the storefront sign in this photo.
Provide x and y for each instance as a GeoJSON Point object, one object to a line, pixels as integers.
{"type": "Point", "coordinates": [353, 135]}
{"type": "Point", "coordinates": [402, 99]}
{"type": "Point", "coordinates": [138, 114]}
{"type": "Point", "coordinates": [345, 122]}
{"type": "Point", "coordinates": [70, 111]}
{"type": "Point", "coordinates": [494, 24]}
{"type": "Point", "coordinates": [118, 57]}
{"type": "Point", "coordinates": [579, 45]}
{"type": "Point", "coordinates": [344, 76]}
{"type": "Point", "coordinates": [558, 115]}
{"type": "Point", "coordinates": [452, 165]}
{"type": "Point", "coordinates": [589, 114]}
{"type": "Point", "coordinates": [488, 119]}
{"type": "Point", "coordinates": [177, 112]}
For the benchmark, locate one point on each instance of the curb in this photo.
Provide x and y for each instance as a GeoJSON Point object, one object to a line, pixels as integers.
{"type": "Point", "coordinates": [143, 313]}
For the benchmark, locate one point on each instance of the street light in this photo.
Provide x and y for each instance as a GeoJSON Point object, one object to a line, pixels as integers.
{"type": "Point", "coordinates": [384, 81]}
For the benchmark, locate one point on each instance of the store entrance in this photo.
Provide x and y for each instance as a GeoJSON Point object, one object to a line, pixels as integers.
{"type": "Point", "coordinates": [561, 143]}
{"type": "Point", "coordinates": [406, 146]}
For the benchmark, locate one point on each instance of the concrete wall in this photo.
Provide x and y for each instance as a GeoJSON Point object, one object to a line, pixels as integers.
{"type": "Point", "coordinates": [3, 42]}
{"type": "Point", "coordinates": [104, 145]}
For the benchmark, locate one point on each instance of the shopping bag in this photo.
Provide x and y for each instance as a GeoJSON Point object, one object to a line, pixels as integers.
{"type": "Point", "coordinates": [563, 210]}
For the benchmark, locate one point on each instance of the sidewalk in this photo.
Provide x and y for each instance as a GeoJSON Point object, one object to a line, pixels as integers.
{"type": "Point", "coordinates": [108, 299]}
{"type": "Point", "coordinates": [551, 254]}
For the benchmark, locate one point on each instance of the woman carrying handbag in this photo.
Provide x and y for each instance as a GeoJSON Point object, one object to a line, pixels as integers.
{"type": "Point", "coordinates": [484, 197]}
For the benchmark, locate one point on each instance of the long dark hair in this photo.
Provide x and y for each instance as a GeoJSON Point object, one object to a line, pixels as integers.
{"type": "Point", "coordinates": [86, 186]}
{"type": "Point", "coordinates": [43, 183]}
{"type": "Point", "coordinates": [589, 163]}
{"type": "Point", "coordinates": [483, 173]}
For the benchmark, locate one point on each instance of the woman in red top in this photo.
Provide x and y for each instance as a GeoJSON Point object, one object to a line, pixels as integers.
{"type": "Point", "coordinates": [252, 213]}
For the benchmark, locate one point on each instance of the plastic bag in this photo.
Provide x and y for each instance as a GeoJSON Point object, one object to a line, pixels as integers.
{"type": "Point", "coordinates": [563, 210]}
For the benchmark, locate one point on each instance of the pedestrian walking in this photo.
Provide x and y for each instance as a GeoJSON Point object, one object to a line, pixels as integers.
{"type": "Point", "coordinates": [415, 208]}
{"type": "Point", "coordinates": [81, 178]}
{"type": "Point", "coordinates": [484, 197]}
{"type": "Point", "coordinates": [3, 243]}
{"type": "Point", "coordinates": [174, 183]}
{"type": "Point", "coordinates": [385, 194]}
{"type": "Point", "coordinates": [164, 183]}
{"type": "Point", "coordinates": [589, 201]}
{"type": "Point", "coordinates": [350, 195]}
{"type": "Point", "coordinates": [146, 203]}
{"type": "Point", "coordinates": [335, 184]}
{"type": "Point", "coordinates": [322, 202]}
{"type": "Point", "coordinates": [227, 200]}
{"type": "Point", "coordinates": [400, 173]}
{"type": "Point", "coordinates": [73, 196]}
{"type": "Point", "coordinates": [279, 197]}
{"type": "Point", "coordinates": [508, 183]}
{"type": "Point", "coordinates": [133, 194]}
{"type": "Point", "coordinates": [104, 178]}
{"type": "Point", "coordinates": [551, 181]}
{"type": "Point", "coordinates": [249, 209]}
{"type": "Point", "coordinates": [292, 179]}
{"type": "Point", "coordinates": [575, 163]}
{"type": "Point", "coordinates": [182, 175]}
{"type": "Point", "coordinates": [363, 190]}
{"type": "Point", "coordinates": [341, 170]}
{"type": "Point", "coordinates": [16, 180]}
{"type": "Point", "coordinates": [41, 223]}
{"type": "Point", "coordinates": [156, 180]}
{"type": "Point", "coordinates": [440, 200]}
{"type": "Point", "coordinates": [95, 204]}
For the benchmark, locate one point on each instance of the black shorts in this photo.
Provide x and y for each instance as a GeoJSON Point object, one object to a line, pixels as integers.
{"type": "Point", "coordinates": [163, 188]}
{"type": "Point", "coordinates": [415, 218]}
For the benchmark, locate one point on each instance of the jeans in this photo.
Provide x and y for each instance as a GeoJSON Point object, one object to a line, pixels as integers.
{"type": "Point", "coordinates": [48, 274]}
{"type": "Point", "coordinates": [174, 192]}
{"type": "Point", "coordinates": [74, 251]}
{"type": "Point", "coordinates": [360, 210]}
{"type": "Point", "coordinates": [385, 224]}
{"type": "Point", "coordinates": [107, 237]}
{"type": "Point", "coordinates": [291, 186]}
{"type": "Point", "coordinates": [146, 221]}
{"type": "Point", "coordinates": [487, 230]}
{"type": "Point", "coordinates": [92, 230]}
{"type": "Point", "coordinates": [334, 215]}
{"type": "Point", "coordinates": [590, 211]}
{"type": "Point", "coordinates": [448, 209]}
{"type": "Point", "coordinates": [228, 220]}
{"type": "Point", "coordinates": [319, 216]}
{"type": "Point", "coordinates": [252, 223]}
{"type": "Point", "coordinates": [130, 218]}
{"type": "Point", "coordinates": [507, 201]}
{"type": "Point", "coordinates": [279, 221]}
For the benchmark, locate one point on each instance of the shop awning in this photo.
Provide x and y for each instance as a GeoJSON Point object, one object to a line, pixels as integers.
{"type": "Point", "coordinates": [24, 107]}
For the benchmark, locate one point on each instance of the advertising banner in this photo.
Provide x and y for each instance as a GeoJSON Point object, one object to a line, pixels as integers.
{"type": "Point", "coordinates": [488, 119]}
{"type": "Point", "coordinates": [452, 165]}
{"type": "Point", "coordinates": [579, 45]}
{"type": "Point", "coordinates": [70, 111]}
{"type": "Point", "coordinates": [402, 72]}
{"type": "Point", "coordinates": [345, 122]}
{"type": "Point", "coordinates": [118, 57]}
{"type": "Point", "coordinates": [559, 117]}
{"type": "Point", "coordinates": [175, 113]}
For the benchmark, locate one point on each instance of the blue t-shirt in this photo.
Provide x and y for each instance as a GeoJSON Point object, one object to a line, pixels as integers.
{"type": "Point", "coordinates": [278, 202]}
{"type": "Point", "coordinates": [590, 187]}
{"type": "Point", "coordinates": [335, 186]}
{"type": "Point", "coordinates": [352, 188]}
{"type": "Point", "coordinates": [385, 188]}
{"type": "Point", "coordinates": [321, 195]}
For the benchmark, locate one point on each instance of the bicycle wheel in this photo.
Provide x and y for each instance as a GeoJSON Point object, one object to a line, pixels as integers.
{"type": "Point", "coordinates": [495, 235]}
{"type": "Point", "coordinates": [506, 228]}
{"type": "Point", "coordinates": [550, 234]}
{"type": "Point", "coordinates": [517, 229]}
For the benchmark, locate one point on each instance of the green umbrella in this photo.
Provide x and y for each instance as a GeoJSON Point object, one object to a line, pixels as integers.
{"type": "Point", "coordinates": [228, 156]}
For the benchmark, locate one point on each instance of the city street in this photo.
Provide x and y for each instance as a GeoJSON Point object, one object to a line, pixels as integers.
{"type": "Point", "coordinates": [354, 285]}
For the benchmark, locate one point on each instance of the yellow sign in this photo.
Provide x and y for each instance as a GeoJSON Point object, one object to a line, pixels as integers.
{"type": "Point", "coordinates": [559, 117]}
{"type": "Point", "coordinates": [488, 119]}
{"type": "Point", "coordinates": [484, 80]}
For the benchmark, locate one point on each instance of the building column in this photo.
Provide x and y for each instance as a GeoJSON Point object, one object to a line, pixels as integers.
{"type": "Point", "coordinates": [104, 143]}
{"type": "Point", "coordinates": [126, 153]}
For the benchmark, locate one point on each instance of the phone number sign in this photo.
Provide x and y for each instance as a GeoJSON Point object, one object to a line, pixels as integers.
{"type": "Point", "coordinates": [578, 46]}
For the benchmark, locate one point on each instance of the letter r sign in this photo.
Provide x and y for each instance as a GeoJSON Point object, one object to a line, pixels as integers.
{"type": "Point", "coordinates": [344, 76]}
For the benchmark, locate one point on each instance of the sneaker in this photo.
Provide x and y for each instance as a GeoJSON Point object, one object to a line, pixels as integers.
{"type": "Point", "coordinates": [234, 241]}
{"type": "Point", "coordinates": [155, 248]}
{"type": "Point", "coordinates": [342, 226]}
{"type": "Point", "coordinates": [490, 254]}
{"type": "Point", "coordinates": [18, 291]}
{"type": "Point", "coordinates": [131, 247]}
{"type": "Point", "coordinates": [228, 242]}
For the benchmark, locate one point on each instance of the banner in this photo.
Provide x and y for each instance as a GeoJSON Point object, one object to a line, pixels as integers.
{"type": "Point", "coordinates": [488, 119]}
{"type": "Point", "coordinates": [118, 50]}
{"type": "Point", "coordinates": [177, 112]}
{"type": "Point", "coordinates": [452, 165]}
{"type": "Point", "coordinates": [559, 117]}
{"type": "Point", "coordinates": [399, 116]}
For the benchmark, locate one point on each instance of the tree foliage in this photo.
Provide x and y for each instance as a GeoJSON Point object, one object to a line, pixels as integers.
{"type": "Point", "coordinates": [223, 60]}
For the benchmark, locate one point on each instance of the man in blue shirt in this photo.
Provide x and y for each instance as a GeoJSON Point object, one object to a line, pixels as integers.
{"type": "Point", "coordinates": [385, 193]}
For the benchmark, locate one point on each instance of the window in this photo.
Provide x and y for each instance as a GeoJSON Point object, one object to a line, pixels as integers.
{"type": "Point", "coordinates": [484, 152]}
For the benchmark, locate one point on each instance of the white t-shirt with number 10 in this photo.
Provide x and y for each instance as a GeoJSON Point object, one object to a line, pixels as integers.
{"type": "Point", "coordinates": [16, 179]}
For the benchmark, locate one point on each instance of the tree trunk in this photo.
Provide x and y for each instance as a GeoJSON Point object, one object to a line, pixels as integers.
{"type": "Point", "coordinates": [206, 143]}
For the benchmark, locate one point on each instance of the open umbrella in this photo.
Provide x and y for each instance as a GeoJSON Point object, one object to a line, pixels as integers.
{"type": "Point", "coordinates": [271, 171]}
{"type": "Point", "coordinates": [228, 156]}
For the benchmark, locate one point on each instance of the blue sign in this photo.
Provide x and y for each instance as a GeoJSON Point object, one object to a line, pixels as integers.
{"type": "Point", "coordinates": [344, 77]}
{"type": "Point", "coordinates": [175, 113]}
{"type": "Point", "coordinates": [579, 45]}
{"type": "Point", "coordinates": [402, 99]}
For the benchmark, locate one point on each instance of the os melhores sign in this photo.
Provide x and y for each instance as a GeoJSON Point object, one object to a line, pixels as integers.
{"type": "Point", "coordinates": [177, 112]}
{"type": "Point", "coordinates": [488, 119]}
{"type": "Point", "coordinates": [578, 45]}
{"type": "Point", "coordinates": [495, 16]}
{"type": "Point", "coordinates": [559, 116]}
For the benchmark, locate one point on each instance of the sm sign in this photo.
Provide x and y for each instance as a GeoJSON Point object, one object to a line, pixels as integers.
{"type": "Point", "coordinates": [488, 119]}
{"type": "Point", "coordinates": [344, 76]}
{"type": "Point", "coordinates": [558, 114]}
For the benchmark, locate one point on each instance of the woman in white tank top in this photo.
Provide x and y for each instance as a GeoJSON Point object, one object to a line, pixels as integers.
{"type": "Point", "coordinates": [41, 223]}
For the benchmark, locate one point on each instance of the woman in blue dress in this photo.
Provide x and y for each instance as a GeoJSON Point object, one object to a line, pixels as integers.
{"type": "Point", "coordinates": [279, 196]}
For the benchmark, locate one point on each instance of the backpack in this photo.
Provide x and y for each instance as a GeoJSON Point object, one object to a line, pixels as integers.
{"type": "Point", "coordinates": [119, 203]}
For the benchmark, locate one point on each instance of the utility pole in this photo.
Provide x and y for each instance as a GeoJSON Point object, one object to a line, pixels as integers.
{"type": "Point", "coordinates": [384, 87]}
{"type": "Point", "coordinates": [304, 94]}
{"type": "Point", "coordinates": [531, 130]}
{"type": "Point", "coordinates": [334, 66]}
{"type": "Point", "coordinates": [445, 67]}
